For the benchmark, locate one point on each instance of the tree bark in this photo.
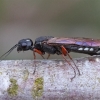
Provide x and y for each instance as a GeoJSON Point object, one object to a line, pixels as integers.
{"type": "Point", "coordinates": [51, 81]}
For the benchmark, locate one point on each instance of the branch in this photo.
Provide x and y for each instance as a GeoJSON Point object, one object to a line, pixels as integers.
{"type": "Point", "coordinates": [51, 80]}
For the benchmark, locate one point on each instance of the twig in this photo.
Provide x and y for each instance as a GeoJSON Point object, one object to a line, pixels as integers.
{"type": "Point", "coordinates": [51, 80]}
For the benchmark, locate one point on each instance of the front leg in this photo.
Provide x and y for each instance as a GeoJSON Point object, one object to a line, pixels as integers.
{"type": "Point", "coordinates": [39, 52]}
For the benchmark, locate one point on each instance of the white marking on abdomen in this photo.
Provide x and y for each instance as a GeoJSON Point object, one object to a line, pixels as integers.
{"type": "Point", "coordinates": [86, 49]}
{"type": "Point", "coordinates": [98, 51]}
{"type": "Point", "coordinates": [91, 49]}
{"type": "Point", "coordinates": [80, 49]}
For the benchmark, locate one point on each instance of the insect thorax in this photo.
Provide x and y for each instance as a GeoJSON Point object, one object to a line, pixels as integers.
{"type": "Point", "coordinates": [40, 44]}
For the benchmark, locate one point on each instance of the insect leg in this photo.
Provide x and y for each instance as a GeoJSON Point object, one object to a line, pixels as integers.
{"type": "Point", "coordinates": [65, 52]}
{"type": "Point", "coordinates": [48, 56]}
{"type": "Point", "coordinates": [34, 62]}
{"type": "Point", "coordinates": [71, 66]}
{"type": "Point", "coordinates": [39, 52]}
{"type": "Point", "coordinates": [74, 64]}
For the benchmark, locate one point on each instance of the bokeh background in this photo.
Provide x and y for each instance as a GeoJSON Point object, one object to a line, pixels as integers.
{"type": "Point", "coordinates": [21, 19]}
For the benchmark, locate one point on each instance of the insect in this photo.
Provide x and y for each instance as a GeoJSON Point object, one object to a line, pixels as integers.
{"type": "Point", "coordinates": [59, 46]}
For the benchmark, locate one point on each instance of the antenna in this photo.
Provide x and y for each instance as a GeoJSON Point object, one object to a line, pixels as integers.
{"type": "Point", "coordinates": [9, 51]}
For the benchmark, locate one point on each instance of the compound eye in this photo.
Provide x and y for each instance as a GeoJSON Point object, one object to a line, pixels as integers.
{"type": "Point", "coordinates": [24, 45]}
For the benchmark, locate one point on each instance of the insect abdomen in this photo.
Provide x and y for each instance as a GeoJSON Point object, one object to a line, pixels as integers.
{"type": "Point", "coordinates": [84, 49]}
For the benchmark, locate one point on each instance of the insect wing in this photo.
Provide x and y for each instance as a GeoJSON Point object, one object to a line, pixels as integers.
{"type": "Point", "coordinates": [87, 42]}
{"type": "Point", "coordinates": [75, 41]}
{"type": "Point", "coordinates": [61, 41]}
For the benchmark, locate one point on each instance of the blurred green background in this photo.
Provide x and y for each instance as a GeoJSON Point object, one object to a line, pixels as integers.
{"type": "Point", "coordinates": [21, 19]}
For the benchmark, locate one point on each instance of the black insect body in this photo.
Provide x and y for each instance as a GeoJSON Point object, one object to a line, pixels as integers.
{"type": "Point", "coordinates": [59, 46]}
{"type": "Point", "coordinates": [41, 44]}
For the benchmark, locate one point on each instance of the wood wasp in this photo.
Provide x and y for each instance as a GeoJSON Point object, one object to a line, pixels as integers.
{"type": "Point", "coordinates": [59, 46]}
